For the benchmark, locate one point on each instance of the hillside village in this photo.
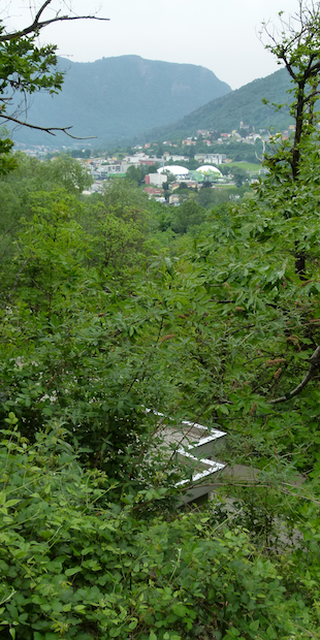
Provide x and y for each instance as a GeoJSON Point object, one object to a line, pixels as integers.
{"type": "Point", "coordinates": [194, 161]}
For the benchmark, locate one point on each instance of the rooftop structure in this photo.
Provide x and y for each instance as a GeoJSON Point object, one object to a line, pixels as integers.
{"type": "Point", "coordinates": [209, 170]}
{"type": "Point", "coordinates": [177, 170]}
{"type": "Point", "coordinates": [197, 446]}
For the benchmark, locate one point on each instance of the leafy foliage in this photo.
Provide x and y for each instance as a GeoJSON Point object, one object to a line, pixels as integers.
{"type": "Point", "coordinates": [25, 68]}
{"type": "Point", "coordinates": [100, 323]}
{"type": "Point", "coordinates": [100, 320]}
{"type": "Point", "coordinates": [75, 565]}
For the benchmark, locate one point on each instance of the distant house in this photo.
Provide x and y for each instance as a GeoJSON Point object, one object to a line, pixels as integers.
{"type": "Point", "coordinates": [150, 160]}
{"type": "Point", "coordinates": [153, 191]}
{"type": "Point", "coordinates": [174, 199]}
{"type": "Point", "coordinates": [156, 179]}
{"type": "Point", "coordinates": [180, 173]}
{"type": "Point", "coordinates": [211, 158]}
{"type": "Point", "coordinates": [203, 132]}
{"type": "Point", "coordinates": [252, 137]}
{"type": "Point", "coordinates": [134, 160]}
{"type": "Point", "coordinates": [175, 158]}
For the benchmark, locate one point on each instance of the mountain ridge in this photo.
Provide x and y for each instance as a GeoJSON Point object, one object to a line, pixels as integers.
{"type": "Point", "coordinates": [244, 104]}
{"type": "Point", "coordinates": [119, 97]}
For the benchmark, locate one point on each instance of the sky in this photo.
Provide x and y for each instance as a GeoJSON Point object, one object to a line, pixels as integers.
{"type": "Point", "coordinates": [221, 35]}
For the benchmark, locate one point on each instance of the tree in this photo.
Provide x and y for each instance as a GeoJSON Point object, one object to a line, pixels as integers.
{"type": "Point", "coordinates": [27, 67]}
{"type": "Point", "coordinates": [297, 46]}
{"type": "Point", "coordinates": [258, 253]}
{"type": "Point", "coordinates": [188, 215]}
{"type": "Point", "coordinates": [6, 163]}
{"type": "Point", "coordinates": [28, 175]}
{"type": "Point", "coordinates": [298, 49]}
{"type": "Point", "coordinates": [134, 174]}
{"type": "Point", "coordinates": [170, 176]}
{"type": "Point", "coordinates": [91, 339]}
{"type": "Point", "coordinates": [68, 173]}
{"type": "Point", "coordinates": [239, 175]}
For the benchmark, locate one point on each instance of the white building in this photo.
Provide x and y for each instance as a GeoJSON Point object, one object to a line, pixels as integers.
{"type": "Point", "coordinates": [208, 170]}
{"type": "Point", "coordinates": [175, 158]}
{"type": "Point", "coordinates": [156, 179]}
{"type": "Point", "coordinates": [211, 158]}
{"type": "Point", "coordinates": [179, 172]}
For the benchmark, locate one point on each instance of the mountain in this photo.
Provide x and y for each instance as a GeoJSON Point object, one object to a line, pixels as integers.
{"type": "Point", "coordinates": [118, 98]}
{"type": "Point", "coordinates": [242, 105]}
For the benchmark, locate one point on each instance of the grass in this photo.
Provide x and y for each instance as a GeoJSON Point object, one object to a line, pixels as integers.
{"type": "Point", "coordinates": [247, 166]}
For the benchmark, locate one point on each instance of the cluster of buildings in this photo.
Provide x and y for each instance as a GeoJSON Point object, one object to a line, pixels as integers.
{"type": "Point", "coordinates": [174, 173]}
{"type": "Point", "coordinates": [171, 161]}
{"type": "Point", "coordinates": [103, 169]}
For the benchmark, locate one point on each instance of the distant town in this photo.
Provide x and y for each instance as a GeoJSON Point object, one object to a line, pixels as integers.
{"type": "Point", "coordinates": [205, 159]}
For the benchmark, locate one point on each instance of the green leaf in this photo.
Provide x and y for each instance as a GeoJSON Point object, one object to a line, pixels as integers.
{"type": "Point", "coordinates": [133, 624]}
{"type": "Point", "coordinates": [254, 626]}
{"type": "Point", "coordinates": [73, 571]}
{"type": "Point", "coordinates": [47, 411]}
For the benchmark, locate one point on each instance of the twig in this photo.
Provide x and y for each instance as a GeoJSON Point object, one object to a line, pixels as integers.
{"type": "Point", "coordinates": [46, 129]}
{"type": "Point", "coordinates": [314, 364]}
{"type": "Point", "coordinates": [15, 284]}
{"type": "Point", "coordinates": [37, 25]}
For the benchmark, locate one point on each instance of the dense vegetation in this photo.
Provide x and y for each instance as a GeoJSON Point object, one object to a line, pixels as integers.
{"type": "Point", "coordinates": [104, 314]}
{"type": "Point", "coordinates": [111, 304]}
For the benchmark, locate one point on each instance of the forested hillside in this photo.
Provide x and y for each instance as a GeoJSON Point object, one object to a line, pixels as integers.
{"type": "Point", "coordinates": [243, 105]}
{"type": "Point", "coordinates": [119, 315]}
{"type": "Point", "coordinates": [118, 98]}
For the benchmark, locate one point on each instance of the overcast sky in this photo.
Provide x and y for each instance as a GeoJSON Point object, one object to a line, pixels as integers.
{"type": "Point", "coordinates": [221, 35]}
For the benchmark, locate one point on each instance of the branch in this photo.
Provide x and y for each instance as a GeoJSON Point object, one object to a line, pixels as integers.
{"type": "Point", "coordinates": [47, 129]}
{"type": "Point", "coordinates": [15, 284]}
{"type": "Point", "coordinates": [37, 25]}
{"type": "Point", "coordinates": [308, 98]}
{"type": "Point", "coordinates": [289, 67]}
{"type": "Point", "coordinates": [314, 364]}
{"type": "Point", "coordinates": [314, 70]}
{"type": "Point", "coordinates": [41, 10]}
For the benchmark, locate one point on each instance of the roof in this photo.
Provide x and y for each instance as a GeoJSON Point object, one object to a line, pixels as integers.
{"type": "Point", "coordinates": [175, 169]}
{"type": "Point", "coordinates": [209, 168]}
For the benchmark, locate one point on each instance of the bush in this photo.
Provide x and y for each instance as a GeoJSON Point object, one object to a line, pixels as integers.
{"type": "Point", "coordinates": [76, 566]}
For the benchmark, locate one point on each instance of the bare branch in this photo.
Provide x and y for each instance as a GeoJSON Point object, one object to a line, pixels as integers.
{"type": "Point", "coordinates": [40, 25]}
{"type": "Point", "coordinates": [37, 24]}
{"type": "Point", "coordinates": [47, 129]}
{"type": "Point", "coordinates": [41, 10]}
{"type": "Point", "coordinates": [314, 365]}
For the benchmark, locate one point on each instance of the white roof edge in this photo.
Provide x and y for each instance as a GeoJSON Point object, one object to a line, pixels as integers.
{"type": "Point", "coordinates": [198, 476]}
